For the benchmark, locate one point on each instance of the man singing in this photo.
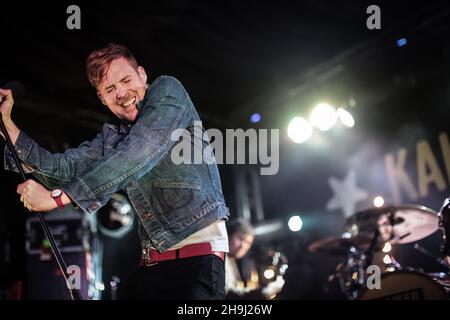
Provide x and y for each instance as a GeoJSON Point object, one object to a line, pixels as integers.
{"type": "Point", "coordinates": [180, 207]}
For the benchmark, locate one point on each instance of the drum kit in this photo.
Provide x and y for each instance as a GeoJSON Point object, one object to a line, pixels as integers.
{"type": "Point", "coordinates": [374, 231]}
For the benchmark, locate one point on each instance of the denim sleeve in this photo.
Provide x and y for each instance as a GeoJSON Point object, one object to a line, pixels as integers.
{"type": "Point", "coordinates": [167, 108]}
{"type": "Point", "coordinates": [52, 169]}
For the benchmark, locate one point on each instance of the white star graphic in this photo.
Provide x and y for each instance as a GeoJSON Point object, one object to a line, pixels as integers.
{"type": "Point", "coordinates": [345, 194]}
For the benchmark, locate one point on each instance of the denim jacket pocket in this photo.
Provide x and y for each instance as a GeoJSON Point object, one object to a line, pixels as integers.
{"type": "Point", "coordinates": [178, 201]}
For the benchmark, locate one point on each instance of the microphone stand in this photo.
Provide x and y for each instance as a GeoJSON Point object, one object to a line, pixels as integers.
{"type": "Point", "coordinates": [74, 293]}
{"type": "Point", "coordinates": [370, 251]}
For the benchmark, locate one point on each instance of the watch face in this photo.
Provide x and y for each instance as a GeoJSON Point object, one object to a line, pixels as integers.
{"type": "Point", "coordinates": [56, 193]}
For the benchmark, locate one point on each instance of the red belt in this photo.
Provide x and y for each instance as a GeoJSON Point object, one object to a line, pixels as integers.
{"type": "Point", "coordinates": [152, 257]}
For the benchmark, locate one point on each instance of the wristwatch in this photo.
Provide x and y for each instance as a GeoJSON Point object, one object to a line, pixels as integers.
{"type": "Point", "coordinates": [57, 196]}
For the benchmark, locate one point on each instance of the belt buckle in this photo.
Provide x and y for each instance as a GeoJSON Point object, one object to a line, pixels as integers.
{"type": "Point", "coordinates": [149, 263]}
{"type": "Point", "coordinates": [146, 258]}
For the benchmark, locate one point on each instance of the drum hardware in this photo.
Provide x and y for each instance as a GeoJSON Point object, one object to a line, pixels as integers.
{"type": "Point", "coordinates": [352, 276]}
{"type": "Point", "coordinates": [370, 252]}
{"type": "Point", "coordinates": [444, 225]}
{"type": "Point", "coordinates": [428, 254]}
{"type": "Point", "coordinates": [368, 232]}
{"type": "Point", "coordinates": [339, 246]}
{"type": "Point", "coordinates": [397, 225]}
{"type": "Point", "coordinates": [349, 272]}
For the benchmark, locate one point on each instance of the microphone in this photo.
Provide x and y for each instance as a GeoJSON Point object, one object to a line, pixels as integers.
{"type": "Point", "coordinates": [17, 88]}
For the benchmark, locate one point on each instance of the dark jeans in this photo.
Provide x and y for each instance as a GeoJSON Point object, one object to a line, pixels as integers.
{"type": "Point", "coordinates": [195, 278]}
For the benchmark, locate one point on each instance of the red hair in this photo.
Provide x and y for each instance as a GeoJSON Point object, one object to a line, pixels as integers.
{"type": "Point", "coordinates": [98, 62]}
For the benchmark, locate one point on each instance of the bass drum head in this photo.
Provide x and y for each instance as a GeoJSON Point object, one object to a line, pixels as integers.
{"type": "Point", "coordinates": [403, 285]}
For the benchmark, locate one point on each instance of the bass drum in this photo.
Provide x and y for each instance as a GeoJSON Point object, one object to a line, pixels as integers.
{"type": "Point", "coordinates": [402, 285]}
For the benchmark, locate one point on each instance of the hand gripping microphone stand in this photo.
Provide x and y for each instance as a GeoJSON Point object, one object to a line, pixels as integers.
{"type": "Point", "coordinates": [74, 293]}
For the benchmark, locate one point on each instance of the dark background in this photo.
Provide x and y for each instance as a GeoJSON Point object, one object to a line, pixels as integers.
{"type": "Point", "coordinates": [278, 58]}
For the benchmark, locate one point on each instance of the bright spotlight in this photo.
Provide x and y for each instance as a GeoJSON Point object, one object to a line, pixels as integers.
{"type": "Point", "coordinates": [387, 259]}
{"type": "Point", "coordinates": [269, 274]}
{"type": "Point", "coordinates": [345, 117]}
{"type": "Point", "coordinates": [387, 247]}
{"type": "Point", "coordinates": [378, 201]}
{"type": "Point", "coordinates": [323, 116]}
{"type": "Point", "coordinates": [255, 118]}
{"type": "Point", "coordinates": [295, 223]}
{"type": "Point", "coordinates": [299, 130]}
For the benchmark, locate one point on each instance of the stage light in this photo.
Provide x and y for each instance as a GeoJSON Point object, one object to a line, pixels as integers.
{"type": "Point", "coordinates": [346, 235]}
{"type": "Point", "coordinates": [283, 268]}
{"type": "Point", "coordinates": [100, 286]}
{"type": "Point", "coordinates": [299, 130]}
{"type": "Point", "coordinates": [345, 117]}
{"type": "Point", "coordinates": [387, 259]}
{"type": "Point", "coordinates": [323, 116]}
{"type": "Point", "coordinates": [255, 118]}
{"type": "Point", "coordinates": [295, 223]}
{"type": "Point", "coordinates": [401, 42]}
{"type": "Point", "coordinates": [378, 201]}
{"type": "Point", "coordinates": [269, 274]}
{"type": "Point", "coordinates": [387, 247]}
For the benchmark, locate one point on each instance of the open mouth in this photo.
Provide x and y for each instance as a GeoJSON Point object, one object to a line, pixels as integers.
{"type": "Point", "coordinates": [129, 102]}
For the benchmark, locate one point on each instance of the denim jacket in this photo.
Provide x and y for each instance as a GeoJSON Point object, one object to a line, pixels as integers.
{"type": "Point", "coordinates": [172, 201]}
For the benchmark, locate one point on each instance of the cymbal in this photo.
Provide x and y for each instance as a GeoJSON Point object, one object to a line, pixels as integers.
{"type": "Point", "coordinates": [338, 246]}
{"type": "Point", "coordinates": [397, 225]}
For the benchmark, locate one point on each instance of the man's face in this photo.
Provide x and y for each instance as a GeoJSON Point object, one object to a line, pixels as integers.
{"type": "Point", "coordinates": [240, 244]}
{"type": "Point", "coordinates": [122, 87]}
